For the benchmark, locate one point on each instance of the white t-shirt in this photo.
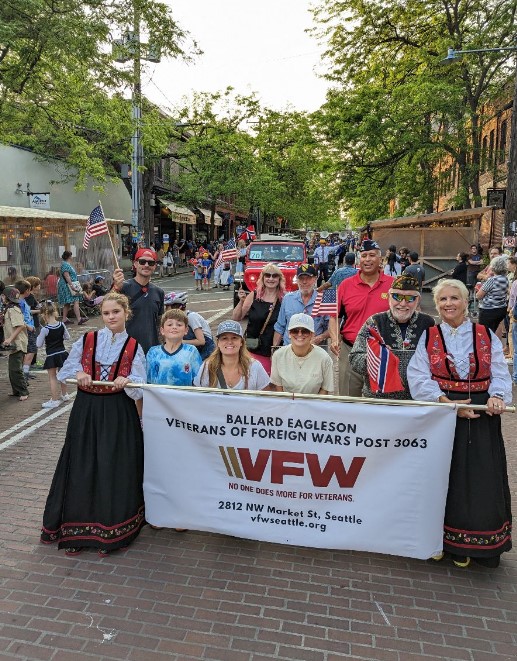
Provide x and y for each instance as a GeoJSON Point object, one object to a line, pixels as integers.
{"type": "Point", "coordinates": [257, 380]}
{"type": "Point", "coordinates": [303, 375]}
{"type": "Point", "coordinates": [195, 320]}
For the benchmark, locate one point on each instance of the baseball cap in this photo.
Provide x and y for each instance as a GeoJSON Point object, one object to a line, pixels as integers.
{"type": "Point", "coordinates": [98, 278]}
{"type": "Point", "coordinates": [141, 252]}
{"type": "Point", "coordinates": [12, 294]}
{"type": "Point", "coordinates": [229, 326]}
{"type": "Point", "coordinates": [301, 320]}
{"type": "Point", "coordinates": [306, 269]}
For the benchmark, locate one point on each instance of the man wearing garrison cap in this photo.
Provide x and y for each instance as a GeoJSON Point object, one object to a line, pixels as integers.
{"type": "Point", "coordinates": [387, 341]}
{"type": "Point", "coordinates": [358, 298]}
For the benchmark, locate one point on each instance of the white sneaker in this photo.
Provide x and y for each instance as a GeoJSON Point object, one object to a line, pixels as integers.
{"type": "Point", "coordinates": [66, 397]}
{"type": "Point", "coordinates": [51, 404]}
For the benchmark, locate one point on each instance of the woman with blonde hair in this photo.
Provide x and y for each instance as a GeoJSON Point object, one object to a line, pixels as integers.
{"type": "Point", "coordinates": [261, 307]}
{"type": "Point", "coordinates": [96, 499]}
{"type": "Point", "coordinates": [230, 366]}
{"type": "Point", "coordinates": [462, 362]}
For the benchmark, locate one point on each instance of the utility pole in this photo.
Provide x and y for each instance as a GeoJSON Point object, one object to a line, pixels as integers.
{"type": "Point", "coordinates": [125, 49]}
{"type": "Point", "coordinates": [137, 156]}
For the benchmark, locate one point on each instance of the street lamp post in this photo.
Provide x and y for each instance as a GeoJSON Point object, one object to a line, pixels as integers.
{"type": "Point", "coordinates": [510, 210]}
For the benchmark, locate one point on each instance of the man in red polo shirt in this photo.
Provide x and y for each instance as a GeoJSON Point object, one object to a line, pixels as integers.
{"type": "Point", "coordinates": [358, 298]}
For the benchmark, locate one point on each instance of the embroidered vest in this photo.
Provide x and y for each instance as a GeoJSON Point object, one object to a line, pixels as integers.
{"type": "Point", "coordinates": [121, 368]}
{"type": "Point", "coordinates": [443, 370]}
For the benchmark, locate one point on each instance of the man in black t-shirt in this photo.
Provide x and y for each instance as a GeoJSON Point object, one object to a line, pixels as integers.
{"type": "Point", "coordinates": [145, 299]}
{"type": "Point", "coordinates": [415, 269]}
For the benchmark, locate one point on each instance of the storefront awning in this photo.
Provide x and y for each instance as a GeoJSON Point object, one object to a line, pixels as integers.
{"type": "Point", "coordinates": [179, 214]}
{"type": "Point", "coordinates": [208, 214]}
{"type": "Point", "coordinates": [15, 213]}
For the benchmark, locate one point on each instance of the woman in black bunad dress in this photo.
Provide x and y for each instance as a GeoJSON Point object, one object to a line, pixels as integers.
{"type": "Point", "coordinates": [96, 498]}
{"type": "Point", "coordinates": [464, 362]}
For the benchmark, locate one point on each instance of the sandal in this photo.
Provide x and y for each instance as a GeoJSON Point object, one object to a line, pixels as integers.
{"type": "Point", "coordinates": [73, 550]}
{"type": "Point", "coordinates": [462, 561]}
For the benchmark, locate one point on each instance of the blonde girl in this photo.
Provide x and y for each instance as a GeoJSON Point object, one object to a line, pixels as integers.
{"type": "Point", "coordinates": [53, 333]}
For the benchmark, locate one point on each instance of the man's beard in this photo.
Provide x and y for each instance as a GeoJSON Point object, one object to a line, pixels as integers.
{"type": "Point", "coordinates": [402, 317]}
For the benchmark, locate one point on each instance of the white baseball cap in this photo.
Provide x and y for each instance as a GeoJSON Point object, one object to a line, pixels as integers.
{"type": "Point", "coordinates": [301, 320]}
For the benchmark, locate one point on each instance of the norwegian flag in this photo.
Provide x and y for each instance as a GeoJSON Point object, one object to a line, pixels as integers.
{"type": "Point", "coordinates": [325, 304]}
{"type": "Point", "coordinates": [95, 226]}
{"type": "Point", "coordinates": [230, 251]}
{"type": "Point", "coordinates": [248, 234]}
{"type": "Point", "coordinates": [382, 365]}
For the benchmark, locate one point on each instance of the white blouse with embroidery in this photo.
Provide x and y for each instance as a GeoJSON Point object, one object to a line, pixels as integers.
{"type": "Point", "coordinates": [107, 351]}
{"type": "Point", "coordinates": [459, 344]}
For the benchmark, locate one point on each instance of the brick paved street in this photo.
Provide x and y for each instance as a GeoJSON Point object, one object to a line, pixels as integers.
{"type": "Point", "coordinates": [204, 596]}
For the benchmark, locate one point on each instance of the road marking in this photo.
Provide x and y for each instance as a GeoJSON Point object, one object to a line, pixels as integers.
{"type": "Point", "coordinates": [219, 314]}
{"type": "Point", "coordinates": [26, 432]}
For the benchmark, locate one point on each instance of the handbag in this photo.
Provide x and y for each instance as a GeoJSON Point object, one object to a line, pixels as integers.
{"type": "Point", "coordinates": [75, 288]}
{"type": "Point", "coordinates": [252, 343]}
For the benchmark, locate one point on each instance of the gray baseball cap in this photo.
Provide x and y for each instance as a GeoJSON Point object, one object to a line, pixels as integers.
{"type": "Point", "coordinates": [230, 326]}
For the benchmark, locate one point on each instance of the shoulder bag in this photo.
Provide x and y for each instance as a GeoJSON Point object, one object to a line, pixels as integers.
{"type": "Point", "coordinates": [252, 343]}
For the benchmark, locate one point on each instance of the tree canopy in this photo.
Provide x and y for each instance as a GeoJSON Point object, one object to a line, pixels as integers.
{"type": "Point", "coordinates": [395, 109]}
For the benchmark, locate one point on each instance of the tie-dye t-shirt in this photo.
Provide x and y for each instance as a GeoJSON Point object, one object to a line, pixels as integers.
{"type": "Point", "coordinates": [173, 369]}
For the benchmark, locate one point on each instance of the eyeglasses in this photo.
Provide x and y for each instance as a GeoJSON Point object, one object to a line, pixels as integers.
{"type": "Point", "coordinates": [300, 331]}
{"type": "Point", "coordinates": [271, 275]}
{"type": "Point", "coordinates": [149, 262]}
{"type": "Point", "coordinates": [409, 298]}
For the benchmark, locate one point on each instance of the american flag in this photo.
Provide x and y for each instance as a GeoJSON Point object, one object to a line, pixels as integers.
{"type": "Point", "coordinates": [382, 365]}
{"type": "Point", "coordinates": [95, 226]}
{"type": "Point", "coordinates": [325, 303]}
{"type": "Point", "coordinates": [230, 251]}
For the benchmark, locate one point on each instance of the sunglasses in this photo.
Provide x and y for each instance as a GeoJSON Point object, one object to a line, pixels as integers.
{"type": "Point", "coordinates": [149, 262]}
{"type": "Point", "coordinates": [271, 275]}
{"type": "Point", "coordinates": [300, 331]}
{"type": "Point", "coordinates": [409, 298]}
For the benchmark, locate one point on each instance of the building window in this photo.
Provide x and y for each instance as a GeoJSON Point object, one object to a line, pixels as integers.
{"type": "Point", "coordinates": [484, 148]}
{"type": "Point", "coordinates": [503, 134]}
{"type": "Point", "coordinates": [491, 146]}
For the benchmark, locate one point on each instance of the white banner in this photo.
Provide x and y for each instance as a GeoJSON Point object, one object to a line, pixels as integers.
{"type": "Point", "coordinates": [315, 473]}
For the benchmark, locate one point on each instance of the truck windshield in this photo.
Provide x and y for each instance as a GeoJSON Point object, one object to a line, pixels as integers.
{"type": "Point", "coordinates": [276, 253]}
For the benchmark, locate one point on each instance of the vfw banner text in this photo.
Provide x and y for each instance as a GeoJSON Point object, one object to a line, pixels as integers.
{"type": "Point", "coordinates": [319, 472]}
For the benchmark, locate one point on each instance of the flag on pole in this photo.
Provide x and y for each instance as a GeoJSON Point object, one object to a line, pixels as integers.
{"type": "Point", "coordinates": [230, 251]}
{"type": "Point", "coordinates": [325, 303]}
{"type": "Point", "coordinates": [95, 226]}
{"type": "Point", "coordinates": [382, 365]}
{"type": "Point", "coordinates": [248, 234]}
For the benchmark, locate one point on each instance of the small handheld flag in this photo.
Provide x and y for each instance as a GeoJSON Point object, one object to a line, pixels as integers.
{"type": "Point", "coordinates": [325, 303]}
{"type": "Point", "coordinates": [95, 226]}
{"type": "Point", "coordinates": [382, 365]}
{"type": "Point", "coordinates": [248, 234]}
{"type": "Point", "coordinates": [230, 251]}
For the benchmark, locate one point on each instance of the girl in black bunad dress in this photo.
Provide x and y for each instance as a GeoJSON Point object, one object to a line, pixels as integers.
{"type": "Point", "coordinates": [96, 498]}
{"type": "Point", "coordinates": [464, 362]}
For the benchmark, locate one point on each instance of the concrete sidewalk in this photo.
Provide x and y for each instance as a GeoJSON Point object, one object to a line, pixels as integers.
{"type": "Point", "coordinates": [196, 595]}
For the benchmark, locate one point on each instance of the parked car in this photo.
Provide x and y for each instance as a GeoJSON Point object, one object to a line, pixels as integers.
{"type": "Point", "coordinates": [287, 254]}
